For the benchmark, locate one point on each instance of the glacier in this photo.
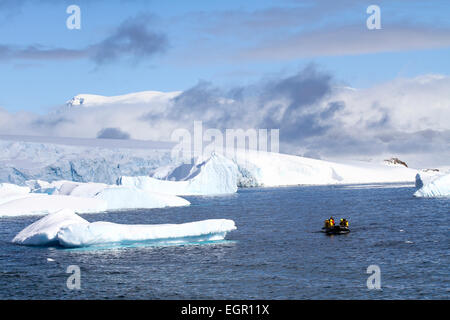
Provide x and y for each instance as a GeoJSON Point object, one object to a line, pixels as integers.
{"type": "Point", "coordinates": [437, 187]}
{"type": "Point", "coordinates": [257, 168]}
{"type": "Point", "coordinates": [112, 162]}
{"type": "Point", "coordinates": [68, 229]}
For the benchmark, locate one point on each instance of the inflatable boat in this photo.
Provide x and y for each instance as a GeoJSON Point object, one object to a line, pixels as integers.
{"type": "Point", "coordinates": [336, 230]}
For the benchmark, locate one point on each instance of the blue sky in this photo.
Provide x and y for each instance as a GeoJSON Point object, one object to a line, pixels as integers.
{"type": "Point", "coordinates": [226, 42]}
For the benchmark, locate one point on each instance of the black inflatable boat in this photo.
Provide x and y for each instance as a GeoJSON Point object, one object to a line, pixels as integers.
{"type": "Point", "coordinates": [336, 230]}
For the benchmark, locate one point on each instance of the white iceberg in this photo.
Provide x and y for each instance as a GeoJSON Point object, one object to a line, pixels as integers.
{"type": "Point", "coordinates": [439, 187]}
{"type": "Point", "coordinates": [42, 198]}
{"type": "Point", "coordinates": [78, 235]}
{"type": "Point", "coordinates": [69, 230]}
{"type": "Point", "coordinates": [217, 175]}
{"type": "Point", "coordinates": [45, 230]}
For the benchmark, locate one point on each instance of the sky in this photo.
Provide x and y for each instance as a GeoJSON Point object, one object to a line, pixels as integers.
{"type": "Point", "coordinates": [227, 42]}
{"type": "Point", "coordinates": [208, 48]}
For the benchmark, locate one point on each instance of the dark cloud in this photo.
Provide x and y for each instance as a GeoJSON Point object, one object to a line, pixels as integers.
{"type": "Point", "coordinates": [286, 103]}
{"type": "Point", "coordinates": [302, 91]}
{"type": "Point", "coordinates": [113, 133]}
{"type": "Point", "coordinates": [132, 39]}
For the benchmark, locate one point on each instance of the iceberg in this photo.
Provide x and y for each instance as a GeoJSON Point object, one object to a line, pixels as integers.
{"type": "Point", "coordinates": [78, 235]}
{"type": "Point", "coordinates": [439, 187]}
{"type": "Point", "coordinates": [45, 230]}
{"type": "Point", "coordinates": [42, 198]}
{"type": "Point", "coordinates": [67, 229]}
{"type": "Point", "coordinates": [217, 175]}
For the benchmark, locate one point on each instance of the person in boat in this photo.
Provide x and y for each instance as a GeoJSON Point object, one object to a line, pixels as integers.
{"type": "Point", "coordinates": [344, 223]}
{"type": "Point", "coordinates": [327, 224]}
{"type": "Point", "coordinates": [331, 222]}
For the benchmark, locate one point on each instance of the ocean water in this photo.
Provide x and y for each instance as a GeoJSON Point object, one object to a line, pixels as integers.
{"type": "Point", "coordinates": [277, 252]}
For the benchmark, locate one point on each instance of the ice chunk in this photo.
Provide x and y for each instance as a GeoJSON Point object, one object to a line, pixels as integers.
{"type": "Point", "coordinates": [439, 187]}
{"type": "Point", "coordinates": [69, 230]}
{"type": "Point", "coordinates": [44, 231]}
{"type": "Point", "coordinates": [217, 175]}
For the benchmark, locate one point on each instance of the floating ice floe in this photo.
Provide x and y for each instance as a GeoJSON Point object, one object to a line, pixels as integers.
{"type": "Point", "coordinates": [438, 187]}
{"type": "Point", "coordinates": [41, 198]}
{"type": "Point", "coordinates": [67, 229]}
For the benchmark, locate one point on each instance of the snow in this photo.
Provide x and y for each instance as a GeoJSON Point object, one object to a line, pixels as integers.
{"type": "Point", "coordinates": [217, 175]}
{"type": "Point", "coordinates": [41, 197]}
{"type": "Point", "coordinates": [439, 187]}
{"type": "Point", "coordinates": [69, 230]}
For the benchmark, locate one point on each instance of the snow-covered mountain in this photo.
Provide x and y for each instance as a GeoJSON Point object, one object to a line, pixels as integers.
{"type": "Point", "coordinates": [144, 97]}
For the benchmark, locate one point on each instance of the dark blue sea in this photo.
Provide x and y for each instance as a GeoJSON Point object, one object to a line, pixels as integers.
{"type": "Point", "coordinates": [277, 252]}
